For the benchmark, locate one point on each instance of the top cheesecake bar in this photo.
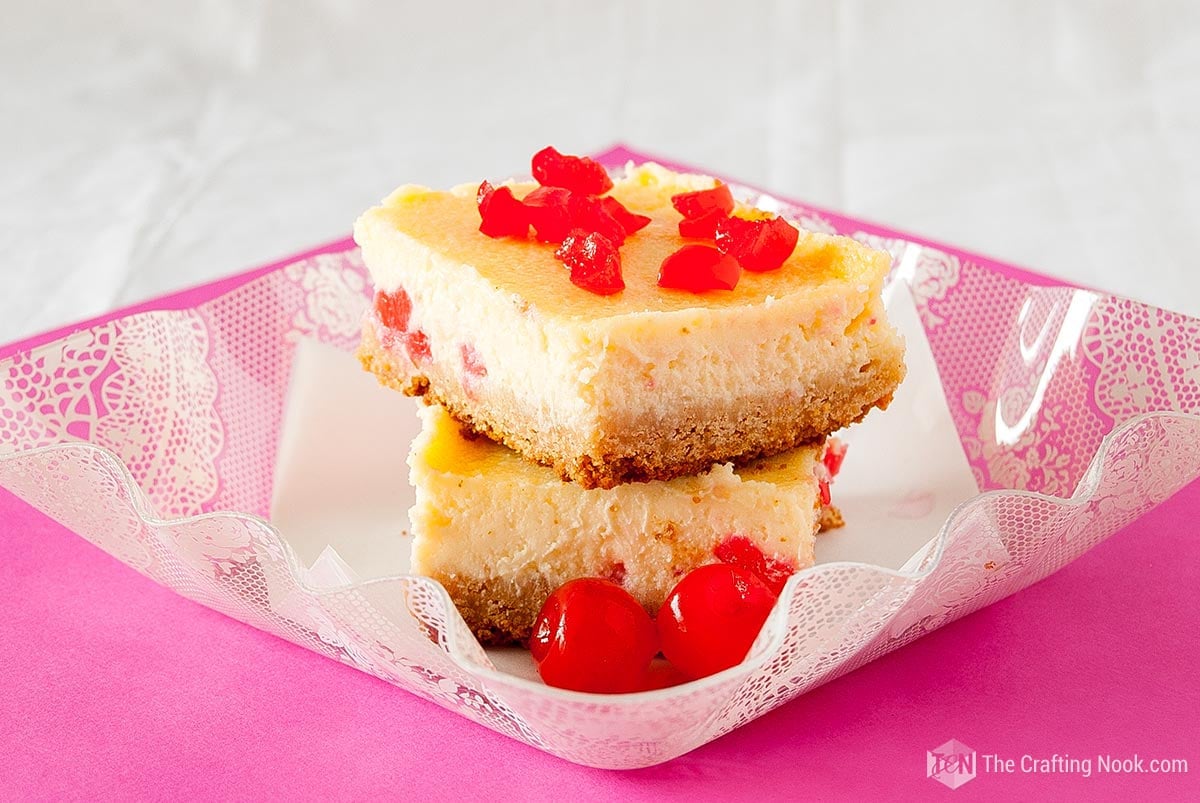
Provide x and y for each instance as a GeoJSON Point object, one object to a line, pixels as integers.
{"type": "Point", "coordinates": [643, 383]}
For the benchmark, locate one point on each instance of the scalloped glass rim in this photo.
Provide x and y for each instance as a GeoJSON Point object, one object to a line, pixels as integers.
{"type": "Point", "coordinates": [1063, 450]}
{"type": "Point", "coordinates": [769, 640]}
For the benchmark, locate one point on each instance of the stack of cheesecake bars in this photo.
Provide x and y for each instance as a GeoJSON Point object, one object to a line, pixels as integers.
{"type": "Point", "coordinates": [631, 436]}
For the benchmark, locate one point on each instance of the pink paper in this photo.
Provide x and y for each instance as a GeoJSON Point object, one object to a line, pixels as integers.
{"type": "Point", "coordinates": [115, 687]}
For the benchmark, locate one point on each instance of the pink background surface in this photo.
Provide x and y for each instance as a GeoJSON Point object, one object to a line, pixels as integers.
{"type": "Point", "coordinates": [113, 685]}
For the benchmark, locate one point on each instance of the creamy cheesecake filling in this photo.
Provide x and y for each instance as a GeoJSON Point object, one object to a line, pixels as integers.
{"type": "Point", "coordinates": [782, 347]}
{"type": "Point", "coordinates": [500, 532]}
{"type": "Point", "coordinates": [648, 425]}
{"type": "Point", "coordinates": [455, 308]}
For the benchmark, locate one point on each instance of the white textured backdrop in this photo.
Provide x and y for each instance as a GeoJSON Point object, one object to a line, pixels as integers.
{"type": "Point", "coordinates": [146, 147]}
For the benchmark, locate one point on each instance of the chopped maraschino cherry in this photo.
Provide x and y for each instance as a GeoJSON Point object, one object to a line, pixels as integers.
{"type": "Point", "coordinates": [697, 204]}
{"type": "Point", "coordinates": [591, 635]}
{"type": "Point", "coordinates": [835, 453]}
{"type": "Point", "coordinates": [417, 345]}
{"type": "Point", "coordinates": [575, 173]}
{"type": "Point", "coordinates": [631, 221]}
{"type": "Point", "coordinates": [698, 268]}
{"type": "Point", "coordinates": [710, 619]}
{"type": "Point", "coordinates": [703, 227]}
{"type": "Point", "coordinates": [554, 211]}
{"type": "Point", "coordinates": [590, 214]}
{"type": "Point", "coordinates": [740, 551]}
{"type": "Point", "coordinates": [472, 362]}
{"type": "Point", "coordinates": [548, 210]}
{"type": "Point", "coordinates": [830, 465]}
{"type": "Point", "coordinates": [393, 309]}
{"type": "Point", "coordinates": [500, 213]}
{"type": "Point", "coordinates": [594, 262]}
{"type": "Point", "coordinates": [757, 245]}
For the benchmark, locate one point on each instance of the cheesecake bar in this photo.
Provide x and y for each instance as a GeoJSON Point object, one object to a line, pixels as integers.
{"type": "Point", "coordinates": [647, 383]}
{"type": "Point", "coordinates": [500, 533]}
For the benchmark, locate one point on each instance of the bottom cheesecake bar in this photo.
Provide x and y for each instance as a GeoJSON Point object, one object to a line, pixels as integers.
{"type": "Point", "coordinates": [500, 533]}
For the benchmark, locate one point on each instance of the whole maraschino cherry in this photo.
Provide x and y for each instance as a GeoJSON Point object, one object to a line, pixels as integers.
{"type": "Point", "coordinates": [592, 635]}
{"type": "Point", "coordinates": [710, 619]}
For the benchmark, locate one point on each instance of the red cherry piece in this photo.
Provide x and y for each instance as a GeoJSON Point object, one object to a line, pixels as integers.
{"type": "Point", "coordinates": [417, 345]}
{"type": "Point", "coordinates": [617, 573]}
{"type": "Point", "coordinates": [710, 619]}
{"type": "Point", "coordinates": [474, 370]}
{"type": "Point", "coordinates": [594, 262]}
{"type": "Point", "coordinates": [549, 210]}
{"type": "Point", "coordinates": [698, 268]}
{"type": "Point", "coordinates": [575, 173]}
{"type": "Point", "coordinates": [472, 362]}
{"type": "Point", "coordinates": [591, 635]}
{"type": "Point", "coordinates": [393, 309]}
{"type": "Point", "coordinates": [589, 214]}
{"type": "Point", "coordinates": [702, 202]}
{"type": "Point", "coordinates": [740, 551]}
{"type": "Point", "coordinates": [630, 221]}
{"type": "Point", "coordinates": [835, 453]}
{"type": "Point", "coordinates": [757, 245]}
{"type": "Point", "coordinates": [703, 227]}
{"type": "Point", "coordinates": [500, 213]}
{"type": "Point", "coordinates": [824, 491]}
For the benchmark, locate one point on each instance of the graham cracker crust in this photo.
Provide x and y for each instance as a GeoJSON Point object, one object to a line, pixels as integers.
{"type": "Point", "coordinates": [376, 360]}
{"type": "Point", "coordinates": [645, 451]}
{"type": "Point", "coordinates": [499, 611]}
{"type": "Point", "coordinates": [831, 518]}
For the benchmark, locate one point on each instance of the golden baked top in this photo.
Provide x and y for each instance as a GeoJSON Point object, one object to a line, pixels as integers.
{"type": "Point", "coordinates": [448, 450]}
{"type": "Point", "coordinates": [446, 224]}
